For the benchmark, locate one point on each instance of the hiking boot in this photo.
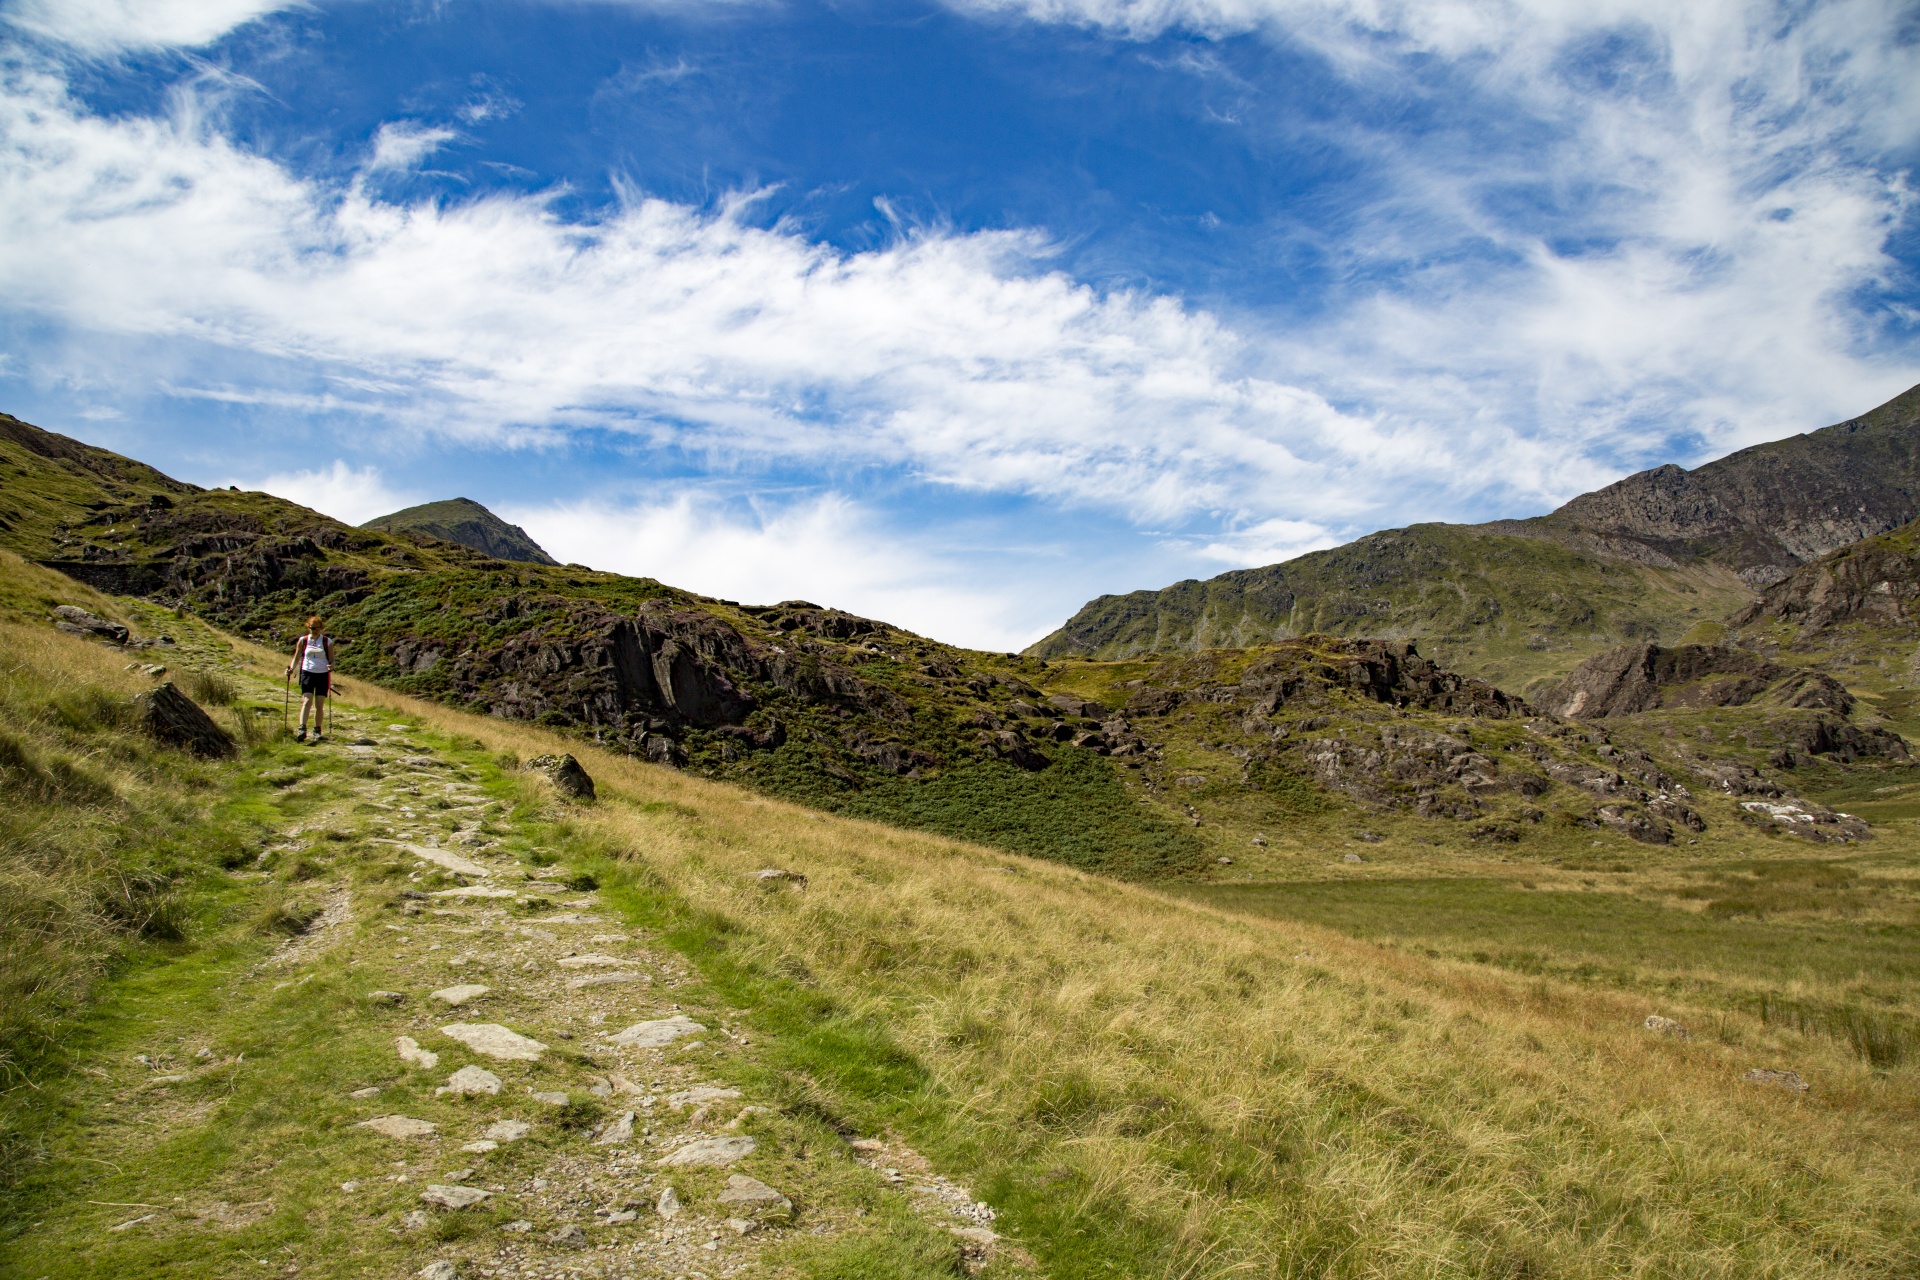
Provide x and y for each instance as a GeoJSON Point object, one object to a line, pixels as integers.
{"type": "Point", "coordinates": [300, 736]}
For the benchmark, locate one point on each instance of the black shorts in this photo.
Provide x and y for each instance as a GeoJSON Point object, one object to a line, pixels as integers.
{"type": "Point", "coordinates": [315, 682]}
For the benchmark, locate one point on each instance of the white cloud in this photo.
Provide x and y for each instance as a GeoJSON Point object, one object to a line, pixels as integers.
{"type": "Point", "coordinates": [1268, 542]}
{"type": "Point", "coordinates": [116, 26]}
{"type": "Point", "coordinates": [827, 549]}
{"type": "Point", "coordinates": [352, 495]}
{"type": "Point", "coordinates": [1482, 355]}
{"type": "Point", "coordinates": [402, 144]}
{"type": "Point", "coordinates": [955, 356]}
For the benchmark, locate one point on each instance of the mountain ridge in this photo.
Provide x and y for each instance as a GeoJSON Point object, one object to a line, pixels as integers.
{"type": "Point", "coordinates": [1652, 554]}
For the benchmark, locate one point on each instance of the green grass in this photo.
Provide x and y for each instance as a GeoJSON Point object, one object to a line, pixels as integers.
{"type": "Point", "coordinates": [1075, 812]}
{"type": "Point", "coordinates": [1732, 959]}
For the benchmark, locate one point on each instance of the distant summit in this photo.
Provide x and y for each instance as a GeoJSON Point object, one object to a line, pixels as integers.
{"type": "Point", "coordinates": [466, 522]}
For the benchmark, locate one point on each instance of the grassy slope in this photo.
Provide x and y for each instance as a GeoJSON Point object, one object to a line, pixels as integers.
{"type": "Point", "coordinates": [1519, 612]}
{"type": "Point", "coordinates": [379, 589]}
{"type": "Point", "coordinates": [1139, 1085]}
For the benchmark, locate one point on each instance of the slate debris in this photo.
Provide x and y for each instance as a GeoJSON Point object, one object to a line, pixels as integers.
{"type": "Point", "coordinates": [81, 622]}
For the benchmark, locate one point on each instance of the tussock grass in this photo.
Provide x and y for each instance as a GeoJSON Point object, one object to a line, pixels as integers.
{"type": "Point", "coordinates": [102, 835]}
{"type": "Point", "coordinates": [1203, 1094]}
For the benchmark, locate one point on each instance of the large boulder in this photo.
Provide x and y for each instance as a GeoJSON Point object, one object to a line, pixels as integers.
{"type": "Point", "coordinates": [170, 716]}
{"type": "Point", "coordinates": [567, 776]}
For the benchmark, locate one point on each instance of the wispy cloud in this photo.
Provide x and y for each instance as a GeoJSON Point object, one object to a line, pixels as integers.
{"type": "Point", "coordinates": [402, 144]}
{"type": "Point", "coordinates": [118, 26]}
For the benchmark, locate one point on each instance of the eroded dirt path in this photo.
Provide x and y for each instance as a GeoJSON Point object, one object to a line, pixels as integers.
{"type": "Point", "coordinates": [466, 1065]}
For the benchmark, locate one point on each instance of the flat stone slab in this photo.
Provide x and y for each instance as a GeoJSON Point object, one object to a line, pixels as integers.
{"type": "Point", "coordinates": [473, 891]}
{"type": "Point", "coordinates": [713, 1152]}
{"type": "Point", "coordinates": [481, 1147]}
{"type": "Point", "coordinates": [655, 1034]}
{"type": "Point", "coordinates": [507, 1130]}
{"type": "Point", "coordinates": [755, 1198]}
{"type": "Point", "coordinates": [471, 1080]}
{"type": "Point", "coordinates": [700, 1096]}
{"type": "Point", "coordinates": [411, 1052]}
{"type": "Point", "coordinates": [455, 1197]}
{"type": "Point", "coordinates": [399, 1127]}
{"type": "Point", "coordinates": [618, 1129]}
{"type": "Point", "coordinates": [445, 858]}
{"type": "Point", "coordinates": [591, 962]}
{"type": "Point", "coordinates": [495, 1041]}
{"type": "Point", "coordinates": [604, 979]}
{"type": "Point", "coordinates": [459, 995]}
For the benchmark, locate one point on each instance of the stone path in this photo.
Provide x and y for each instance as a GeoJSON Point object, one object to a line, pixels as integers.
{"type": "Point", "coordinates": [548, 1084]}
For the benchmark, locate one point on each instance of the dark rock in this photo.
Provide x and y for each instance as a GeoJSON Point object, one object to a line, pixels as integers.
{"type": "Point", "coordinates": [80, 622]}
{"type": "Point", "coordinates": [1081, 707]}
{"type": "Point", "coordinates": [572, 779]}
{"type": "Point", "coordinates": [1847, 742]}
{"type": "Point", "coordinates": [1009, 746]}
{"type": "Point", "coordinates": [177, 720]}
{"type": "Point", "coordinates": [1674, 811]}
{"type": "Point", "coordinates": [1636, 823]}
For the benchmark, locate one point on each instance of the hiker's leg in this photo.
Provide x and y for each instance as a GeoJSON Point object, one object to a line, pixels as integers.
{"type": "Point", "coordinates": [306, 705]}
{"type": "Point", "coordinates": [319, 714]}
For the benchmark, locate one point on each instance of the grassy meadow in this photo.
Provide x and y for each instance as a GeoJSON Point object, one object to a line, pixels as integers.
{"type": "Point", "coordinates": [1429, 1063]}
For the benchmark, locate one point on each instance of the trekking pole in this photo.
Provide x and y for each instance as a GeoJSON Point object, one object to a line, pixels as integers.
{"type": "Point", "coordinates": [286, 697]}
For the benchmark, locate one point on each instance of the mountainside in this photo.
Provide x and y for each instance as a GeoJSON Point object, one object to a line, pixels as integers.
{"type": "Point", "coordinates": [466, 522]}
{"type": "Point", "coordinates": [1513, 609]}
{"type": "Point", "coordinates": [1143, 769]}
{"type": "Point", "coordinates": [1766, 510]}
{"type": "Point", "coordinates": [1522, 601]}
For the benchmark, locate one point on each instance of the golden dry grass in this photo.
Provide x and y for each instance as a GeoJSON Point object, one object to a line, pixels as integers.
{"type": "Point", "coordinates": [1257, 1098]}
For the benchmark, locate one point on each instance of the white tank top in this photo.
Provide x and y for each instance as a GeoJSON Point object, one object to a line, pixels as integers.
{"type": "Point", "coordinates": [314, 656]}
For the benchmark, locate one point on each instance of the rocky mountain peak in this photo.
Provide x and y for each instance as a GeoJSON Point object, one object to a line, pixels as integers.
{"type": "Point", "coordinates": [466, 522]}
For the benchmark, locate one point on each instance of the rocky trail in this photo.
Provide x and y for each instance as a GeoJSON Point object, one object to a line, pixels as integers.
{"type": "Point", "coordinates": [465, 1064]}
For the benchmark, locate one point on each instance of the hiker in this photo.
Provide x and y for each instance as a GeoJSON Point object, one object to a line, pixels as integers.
{"type": "Point", "coordinates": [313, 656]}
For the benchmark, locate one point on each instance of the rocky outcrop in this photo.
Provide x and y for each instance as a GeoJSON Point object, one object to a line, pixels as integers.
{"type": "Point", "coordinates": [1648, 677]}
{"type": "Point", "coordinates": [1875, 582]}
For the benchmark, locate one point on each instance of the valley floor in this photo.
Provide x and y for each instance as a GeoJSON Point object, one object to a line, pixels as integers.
{"type": "Point", "coordinates": [948, 1059]}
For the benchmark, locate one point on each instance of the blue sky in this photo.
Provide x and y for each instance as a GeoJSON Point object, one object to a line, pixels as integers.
{"type": "Point", "coordinates": [952, 313]}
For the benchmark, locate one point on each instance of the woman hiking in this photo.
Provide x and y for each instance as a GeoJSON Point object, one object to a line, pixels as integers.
{"type": "Point", "coordinates": [313, 656]}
